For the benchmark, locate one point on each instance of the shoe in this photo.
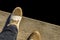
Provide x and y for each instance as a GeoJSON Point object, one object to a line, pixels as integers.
{"type": "Point", "coordinates": [35, 36]}
{"type": "Point", "coordinates": [16, 17]}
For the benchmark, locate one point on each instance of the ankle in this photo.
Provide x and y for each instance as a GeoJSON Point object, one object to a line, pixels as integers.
{"type": "Point", "coordinates": [17, 26]}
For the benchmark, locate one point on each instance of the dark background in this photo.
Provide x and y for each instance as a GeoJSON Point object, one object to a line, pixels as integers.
{"type": "Point", "coordinates": [40, 10]}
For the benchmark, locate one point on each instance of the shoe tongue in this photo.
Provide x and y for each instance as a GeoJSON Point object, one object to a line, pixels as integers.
{"type": "Point", "coordinates": [16, 17]}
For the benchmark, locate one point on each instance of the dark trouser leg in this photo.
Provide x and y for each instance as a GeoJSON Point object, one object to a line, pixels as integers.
{"type": "Point", "coordinates": [9, 33]}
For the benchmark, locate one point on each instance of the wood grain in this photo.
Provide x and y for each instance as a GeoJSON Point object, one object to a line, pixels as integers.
{"type": "Point", "coordinates": [48, 31]}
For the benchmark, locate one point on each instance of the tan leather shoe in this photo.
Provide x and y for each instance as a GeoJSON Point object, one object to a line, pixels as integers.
{"type": "Point", "coordinates": [16, 17]}
{"type": "Point", "coordinates": [35, 36]}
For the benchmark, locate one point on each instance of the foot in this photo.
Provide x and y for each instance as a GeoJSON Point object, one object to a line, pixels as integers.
{"type": "Point", "coordinates": [16, 17]}
{"type": "Point", "coordinates": [35, 36]}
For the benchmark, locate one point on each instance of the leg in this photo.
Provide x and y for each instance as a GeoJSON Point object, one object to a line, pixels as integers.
{"type": "Point", "coordinates": [9, 33]}
{"type": "Point", "coordinates": [11, 30]}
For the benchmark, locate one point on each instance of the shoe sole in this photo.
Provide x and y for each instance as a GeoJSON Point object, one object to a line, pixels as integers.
{"type": "Point", "coordinates": [17, 11]}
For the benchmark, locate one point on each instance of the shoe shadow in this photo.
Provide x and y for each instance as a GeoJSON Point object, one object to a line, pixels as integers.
{"type": "Point", "coordinates": [7, 21]}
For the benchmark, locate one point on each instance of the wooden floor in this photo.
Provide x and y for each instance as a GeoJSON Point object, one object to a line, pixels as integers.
{"type": "Point", "coordinates": [48, 31]}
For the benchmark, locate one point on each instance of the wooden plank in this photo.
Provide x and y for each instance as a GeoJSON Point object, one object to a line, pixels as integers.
{"type": "Point", "coordinates": [48, 31]}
